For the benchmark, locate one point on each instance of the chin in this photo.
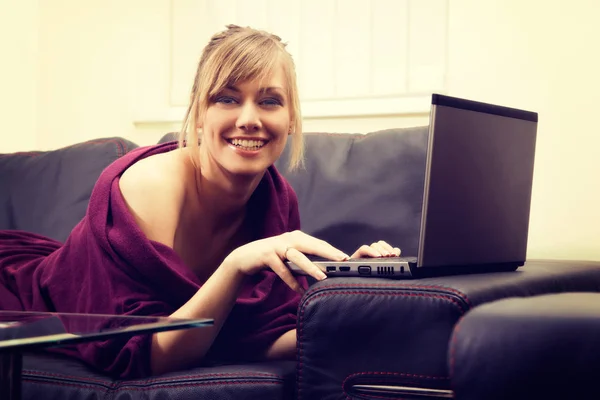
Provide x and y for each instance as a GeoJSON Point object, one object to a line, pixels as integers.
{"type": "Point", "coordinates": [246, 171]}
{"type": "Point", "coordinates": [245, 167]}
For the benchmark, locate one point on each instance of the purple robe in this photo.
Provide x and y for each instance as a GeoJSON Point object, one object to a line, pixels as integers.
{"type": "Point", "coordinates": [108, 266]}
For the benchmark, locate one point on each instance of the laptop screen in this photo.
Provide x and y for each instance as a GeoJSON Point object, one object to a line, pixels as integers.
{"type": "Point", "coordinates": [478, 183]}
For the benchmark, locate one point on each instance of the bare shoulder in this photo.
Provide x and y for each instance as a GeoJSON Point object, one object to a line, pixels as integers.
{"type": "Point", "coordinates": [154, 191]}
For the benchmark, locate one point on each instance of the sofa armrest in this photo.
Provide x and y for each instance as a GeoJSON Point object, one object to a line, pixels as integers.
{"type": "Point", "coordinates": [371, 331]}
{"type": "Point", "coordinates": [543, 347]}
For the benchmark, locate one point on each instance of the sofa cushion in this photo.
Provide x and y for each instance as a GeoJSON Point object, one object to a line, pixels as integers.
{"type": "Point", "coordinates": [54, 377]}
{"type": "Point", "coordinates": [47, 192]}
{"type": "Point", "coordinates": [169, 137]}
{"type": "Point", "coordinates": [542, 347]}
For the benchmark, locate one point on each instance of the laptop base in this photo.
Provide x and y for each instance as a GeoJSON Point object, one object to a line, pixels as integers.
{"type": "Point", "coordinates": [397, 268]}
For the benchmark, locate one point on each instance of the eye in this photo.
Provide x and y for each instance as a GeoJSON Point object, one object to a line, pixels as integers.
{"type": "Point", "coordinates": [225, 100]}
{"type": "Point", "coordinates": [271, 101]}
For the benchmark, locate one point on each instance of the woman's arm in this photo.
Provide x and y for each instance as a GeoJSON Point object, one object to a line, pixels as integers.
{"type": "Point", "coordinates": [176, 350]}
{"type": "Point", "coordinates": [284, 348]}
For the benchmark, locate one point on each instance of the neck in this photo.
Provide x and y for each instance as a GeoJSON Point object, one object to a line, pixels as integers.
{"type": "Point", "coordinates": [223, 197]}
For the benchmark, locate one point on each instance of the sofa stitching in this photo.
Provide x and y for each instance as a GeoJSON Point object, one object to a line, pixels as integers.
{"type": "Point", "coordinates": [314, 297]}
{"type": "Point", "coordinates": [121, 148]}
{"type": "Point", "coordinates": [386, 285]}
{"type": "Point", "coordinates": [155, 380]}
{"type": "Point", "coordinates": [124, 147]}
{"type": "Point", "coordinates": [453, 343]}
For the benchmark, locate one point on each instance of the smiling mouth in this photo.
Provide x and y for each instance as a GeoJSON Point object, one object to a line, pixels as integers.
{"type": "Point", "coordinates": [250, 145]}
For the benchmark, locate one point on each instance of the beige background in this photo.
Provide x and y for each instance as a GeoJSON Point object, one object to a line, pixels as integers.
{"type": "Point", "coordinates": [71, 71]}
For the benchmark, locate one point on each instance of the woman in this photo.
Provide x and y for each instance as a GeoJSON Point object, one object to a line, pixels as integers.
{"type": "Point", "coordinates": [199, 229]}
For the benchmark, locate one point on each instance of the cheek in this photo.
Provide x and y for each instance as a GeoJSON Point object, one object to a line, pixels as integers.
{"type": "Point", "coordinates": [216, 120]}
{"type": "Point", "coordinates": [279, 124]}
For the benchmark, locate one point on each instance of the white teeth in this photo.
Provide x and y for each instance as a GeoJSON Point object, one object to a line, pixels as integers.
{"type": "Point", "coordinates": [249, 144]}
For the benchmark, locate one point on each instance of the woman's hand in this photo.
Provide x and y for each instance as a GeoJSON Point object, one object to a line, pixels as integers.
{"type": "Point", "coordinates": [271, 253]}
{"type": "Point", "coordinates": [378, 249]}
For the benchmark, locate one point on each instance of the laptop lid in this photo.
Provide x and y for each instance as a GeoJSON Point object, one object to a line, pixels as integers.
{"type": "Point", "coordinates": [478, 181]}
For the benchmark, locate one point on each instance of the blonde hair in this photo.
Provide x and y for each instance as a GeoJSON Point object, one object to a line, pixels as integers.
{"type": "Point", "coordinates": [237, 55]}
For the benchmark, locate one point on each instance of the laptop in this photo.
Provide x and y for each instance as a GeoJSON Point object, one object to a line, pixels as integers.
{"type": "Point", "coordinates": [476, 196]}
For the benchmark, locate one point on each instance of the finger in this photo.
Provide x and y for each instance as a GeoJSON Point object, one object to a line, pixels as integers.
{"type": "Point", "coordinates": [386, 247]}
{"type": "Point", "coordinates": [284, 273]}
{"type": "Point", "coordinates": [366, 251]}
{"type": "Point", "coordinates": [310, 245]}
{"type": "Point", "coordinates": [379, 248]}
{"type": "Point", "coordinates": [303, 262]}
{"type": "Point", "coordinates": [389, 250]}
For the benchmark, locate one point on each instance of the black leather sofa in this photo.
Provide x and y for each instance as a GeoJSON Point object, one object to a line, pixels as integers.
{"type": "Point", "coordinates": [357, 338]}
{"type": "Point", "coordinates": [541, 347]}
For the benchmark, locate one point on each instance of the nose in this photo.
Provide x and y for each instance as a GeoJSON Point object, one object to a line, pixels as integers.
{"type": "Point", "coordinates": [249, 118]}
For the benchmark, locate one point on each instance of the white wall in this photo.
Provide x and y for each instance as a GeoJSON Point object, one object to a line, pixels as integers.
{"type": "Point", "coordinates": [541, 55]}
{"type": "Point", "coordinates": [93, 54]}
{"type": "Point", "coordinates": [341, 49]}
{"type": "Point", "coordinates": [85, 69]}
{"type": "Point", "coordinates": [18, 74]}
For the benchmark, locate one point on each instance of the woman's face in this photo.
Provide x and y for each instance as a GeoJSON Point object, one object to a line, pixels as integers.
{"type": "Point", "coordinates": [246, 126]}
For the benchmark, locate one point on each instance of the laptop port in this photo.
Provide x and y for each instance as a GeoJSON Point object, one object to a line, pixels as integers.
{"type": "Point", "coordinates": [344, 269]}
{"type": "Point", "coordinates": [364, 270]}
{"type": "Point", "coordinates": [331, 269]}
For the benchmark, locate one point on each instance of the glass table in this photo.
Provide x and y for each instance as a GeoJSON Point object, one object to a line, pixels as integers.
{"type": "Point", "coordinates": [21, 332]}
